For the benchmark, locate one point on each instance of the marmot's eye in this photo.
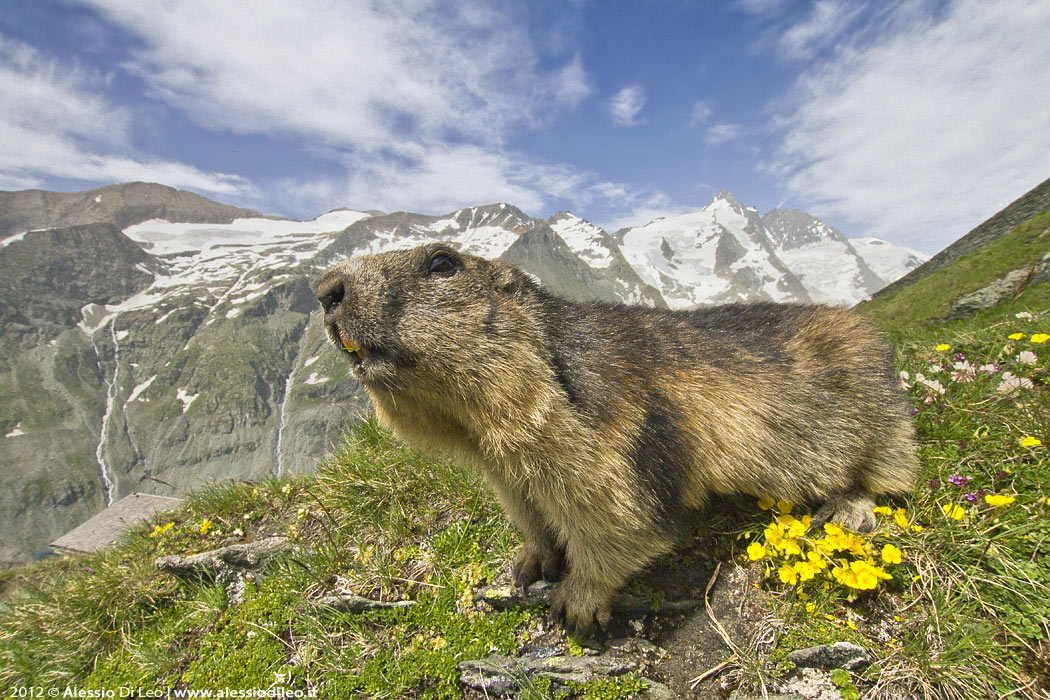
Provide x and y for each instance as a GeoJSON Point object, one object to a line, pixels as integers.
{"type": "Point", "coordinates": [441, 264]}
{"type": "Point", "coordinates": [332, 298]}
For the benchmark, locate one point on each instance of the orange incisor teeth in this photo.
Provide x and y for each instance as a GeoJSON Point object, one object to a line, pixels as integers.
{"type": "Point", "coordinates": [351, 346]}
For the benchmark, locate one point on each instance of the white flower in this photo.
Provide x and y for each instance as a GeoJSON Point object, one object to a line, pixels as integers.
{"type": "Point", "coordinates": [988, 369]}
{"type": "Point", "coordinates": [932, 385]}
{"type": "Point", "coordinates": [1012, 383]}
{"type": "Point", "coordinates": [964, 371]}
{"type": "Point", "coordinates": [1026, 315]}
{"type": "Point", "coordinates": [1027, 357]}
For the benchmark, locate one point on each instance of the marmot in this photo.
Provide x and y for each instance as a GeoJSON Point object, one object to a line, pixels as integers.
{"type": "Point", "coordinates": [599, 426]}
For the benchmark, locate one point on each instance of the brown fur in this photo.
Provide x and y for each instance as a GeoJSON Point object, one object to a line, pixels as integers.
{"type": "Point", "coordinates": [598, 426]}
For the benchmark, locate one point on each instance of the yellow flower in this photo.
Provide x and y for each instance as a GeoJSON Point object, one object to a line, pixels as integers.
{"type": "Point", "coordinates": [1015, 336]}
{"type": "Point", "coordinates": [784, 506]}
{"type": "Point", "coordinates": [999, 500]}
{"type": "Point", "coordinates": [816, 560]}
{"type": "Point", "coordinates": [766, 503]}
{"type": "Point", "coordinates": [795, 527]}
{"type": "Point", "coordinates": [788, 574]}
{"type": "Point", "coordinates": [883, 510]}
{"type": "Point", "coordinates": [775, 538]}
{"type": "Point", "coordinates": [1030, 441]}
{"type": "Point", "coordinates": [916, 528]}
{"type": "Point", "coordinates": [901, 518]}
{"type": "Point", "coordinates": [160, 529]}
{"type": "Point", "coordinates": [891, 555]}
{"type": "Point", "coordinates": [205, 526]}
{"type": "Point", "coordinates": [805, 570]}
{"type": "Point", "coordinates": [953, 511]}
{"type": "Point", "coordinates": [943, 346]}
{"type": "Point", "coordinates": [756, 551]}
{"type": "Point", "coordinates": [1040, 337]}
{"type": "Point", "coordinates": [810, 607]}
{"type": "Point", "coordinates": [859, 574]}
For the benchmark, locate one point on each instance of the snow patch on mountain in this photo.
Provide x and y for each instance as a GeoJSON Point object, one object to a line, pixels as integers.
{"type": "Point", "coordinates": [591, 243]}
{"type": "Point", "coordinates": [718, 254]}
{"type": "Point", "coordinates": [487, 231]}
{"type": "Point", "coordinates": [889, 261]}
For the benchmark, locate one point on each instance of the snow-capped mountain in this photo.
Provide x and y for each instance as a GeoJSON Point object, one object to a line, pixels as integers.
{"type": "Point", "coordinates": [719, 254]}
{"type": "Point", "coordinates": [599, 251]}
{"type": "Point", "coordinates": [821, 257]}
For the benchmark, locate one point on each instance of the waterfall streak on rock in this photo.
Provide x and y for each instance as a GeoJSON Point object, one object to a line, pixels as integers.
{"type": "Point", "coordinates": [111, 395]}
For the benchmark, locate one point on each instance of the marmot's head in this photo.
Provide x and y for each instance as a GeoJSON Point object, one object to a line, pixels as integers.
{"type": "Point", "coordinates": [412, 320]}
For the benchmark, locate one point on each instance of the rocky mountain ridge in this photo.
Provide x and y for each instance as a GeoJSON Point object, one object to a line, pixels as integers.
{"type": "Point", "coordinates": [154, 340]}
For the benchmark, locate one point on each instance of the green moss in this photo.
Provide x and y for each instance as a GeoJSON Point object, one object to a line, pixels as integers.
{"type": "Point", "coordinates": [844, 683]}
{"type": "Point", "coordinates": [248, 646]}
{"type": "Point", "coordinates": [620, 688]}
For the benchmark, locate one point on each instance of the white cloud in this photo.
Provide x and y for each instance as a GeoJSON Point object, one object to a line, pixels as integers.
{"type": "Point", "coordinates": [571, 86]}
{"type": "Point", "coordinates": [626, 105]}
{"type": "Point", "coordinates": [416, 99]}
{"type": "Point", "coordinates": [927, 130]}
{"type": "Point", "coordinates": [717, 134]}
{"type": "Point", "coordinates": [347, 74]}
{"type": "Point", "coordinates": [701, 113]}
{"type": "Point", "coordinates": [55, 123]}
{"type": "Point", "coordinates": [828, 20]}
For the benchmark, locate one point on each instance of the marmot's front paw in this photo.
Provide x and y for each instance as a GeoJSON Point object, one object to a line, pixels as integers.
{"type": "Point", "coordinates": [580, 607]}
{"type": "Point", "coordinates": [532, 563]}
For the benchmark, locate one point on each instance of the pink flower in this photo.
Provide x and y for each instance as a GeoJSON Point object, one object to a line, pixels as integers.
{"type": "Point", "coordinates": [1011, 383]}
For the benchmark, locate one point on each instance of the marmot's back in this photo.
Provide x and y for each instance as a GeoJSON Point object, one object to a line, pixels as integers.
{"type": "Point", "coordinates": [598, 425]}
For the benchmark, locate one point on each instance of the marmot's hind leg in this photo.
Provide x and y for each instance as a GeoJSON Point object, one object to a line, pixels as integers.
{"type": "Point", "coordinates": [889, 469]}
{"type": "Point", "coordinates": [853, 510]}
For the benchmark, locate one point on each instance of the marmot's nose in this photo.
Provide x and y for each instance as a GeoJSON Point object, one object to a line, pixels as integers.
{"type": "Point", "coordinates": [330, 295]}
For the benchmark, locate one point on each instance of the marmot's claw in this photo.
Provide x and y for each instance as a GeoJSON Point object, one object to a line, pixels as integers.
{"type": "Point", "coordinates": [578, 614]}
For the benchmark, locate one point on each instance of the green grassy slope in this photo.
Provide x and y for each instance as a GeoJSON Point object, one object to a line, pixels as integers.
{"type": "Point", "coordinates": [931, 297]}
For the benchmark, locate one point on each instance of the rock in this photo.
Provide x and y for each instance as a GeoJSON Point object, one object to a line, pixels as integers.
{"type": "Point", "coordinates": [828, 656]}
{"type": "Point", "coordinates": [741, 695]}
{"type": "Point", "coordinates": [500, 675]}
{"type": "Point", "coordinates": [810, 684]}
{"type": "Point", "coordinates": [351, 603]}
{"type": "Point", "coordinates": [228, 565]}
{"type": "Point", "coordinates": [539, 593]}
{"type": "Point", "coordinates": [657, 691]}
{"type": "Point", "coordinates": [999, 290]}
{"type": "Point", "coordinates": [504, 597]}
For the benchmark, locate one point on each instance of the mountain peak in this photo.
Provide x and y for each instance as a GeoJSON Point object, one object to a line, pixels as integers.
{"type": "Point", "coordinates": [725, 196]}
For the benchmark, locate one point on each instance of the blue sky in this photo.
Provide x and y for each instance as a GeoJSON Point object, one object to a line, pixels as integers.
{"type": "Point", "coordinates": [907, 120]}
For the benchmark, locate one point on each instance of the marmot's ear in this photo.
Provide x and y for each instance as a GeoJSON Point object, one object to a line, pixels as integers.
{"type": "Point", "coordinates": [507, 278]}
